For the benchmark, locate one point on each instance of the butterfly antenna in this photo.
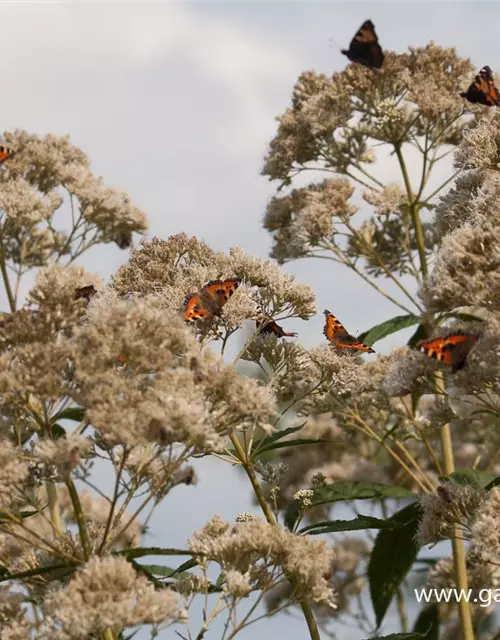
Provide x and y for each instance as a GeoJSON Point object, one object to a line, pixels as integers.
{"type": "Point", "coordinates": [333, 44]}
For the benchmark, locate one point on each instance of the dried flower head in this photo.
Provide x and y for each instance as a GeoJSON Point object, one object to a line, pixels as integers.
{"type": "Point", "coordinates": [107, 593]}
{"type": "Point", "coordinates": [452, 505]}
{"type": "Point", "coordinates": [254, 548]}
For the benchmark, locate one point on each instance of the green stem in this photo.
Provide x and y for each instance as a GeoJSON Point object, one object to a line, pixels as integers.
{"type": "Point", "coordinates": [80, 518]}
{"type": "Point", "coordinates": [55, 514]}
{"type": "Point", "coordinates": [459, 557]}
{"type": "Point", "coordinates": [403, 618]}
{"type": "Point", "coordinates": [5, 276]}
{"type": "Point", "coordinates": [414, 208]}
{"type": "Point", "coordinates": [266, 509]}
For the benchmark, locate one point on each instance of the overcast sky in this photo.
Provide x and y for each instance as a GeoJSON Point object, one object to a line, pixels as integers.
{"type": "Point", "coordinates": [175, 103]}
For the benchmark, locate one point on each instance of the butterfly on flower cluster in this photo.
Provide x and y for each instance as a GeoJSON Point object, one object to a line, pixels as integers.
{"type": "Point", "coordinates": [209, 301]}
{"type": "Point", "coordinates": [452, 349]}
{"type": "Point", "coordinates": [5, 153]}
{"type": "Point", "coordinates": [272, 328]}
{"type": "Point", "coordinates": [482, 89]}
{"type": "Point", "coordinates": [364, 47]}
{"type": "Point", "coordinates": [337, 335]}
{"type": "Point", "coordinates": [86, 292]}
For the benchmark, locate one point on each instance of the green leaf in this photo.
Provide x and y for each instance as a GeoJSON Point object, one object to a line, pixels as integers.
{"type": "Point", "coordinates": [345, 491]}
{"type": "Point", "coordinates": [471, 477]}
{"type": "Point", "coordinates": [466, 317]}
{"type": "Point", "coordinates": [419, 334]}
{"type": "Point", "coordinates": [428, 622]}
{"type": "Point", "coordinates": [185, 566]}
{"type": "Point", "coordinates": [165, 572]}
{"type": "Point", "coordinates": [77, 414]}
{"type": "Point", "coordinates": [140, 552]}
{"type": "Point", "coordinates": [386, 328]}
{"type": "Point", "coordinates": [59, 569]}
{"type": "Point", "coordinates": [392, 557]}
{"type": "Point", "coordinates": [291, 443]}
{"type": "Point", "coordinates": [360, 522]}
{"type": "Point", "coordinates": [492, 484]}
{"type": "Point", "coordinates": [56, 431]}
{"type": "Point", "coordinates": [274, 437]}
{"type": "Point", "coordinates": [401, 636]}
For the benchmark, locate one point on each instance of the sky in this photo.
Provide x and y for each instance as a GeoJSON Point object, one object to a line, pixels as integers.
{"type": "Point", "coordinates": [176, 103]}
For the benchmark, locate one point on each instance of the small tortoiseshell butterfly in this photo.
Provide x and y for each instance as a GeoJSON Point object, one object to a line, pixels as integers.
{"type": "Point", "coordinates": [124, 240]}
{"type": "Point", "coordinates": [482, 90]}
{"type": "Point", "coordinates": [452, 349]}
{"type": "Point", "coordinates": [364, 47]}
{"type": "Point", "coordinates": [271, 327]}
{"type": "Point", "coordinates": [85, 292]}
{"type": "Point", "coordinates": [210, 300]}
{"type": "Point", "coordinates": [5, 152]}
{"type": "Point", "coordinates": [337, 335]}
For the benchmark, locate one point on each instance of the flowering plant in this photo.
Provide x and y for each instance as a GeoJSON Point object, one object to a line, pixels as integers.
{"type": "Point", "coordinates": [96, 374]}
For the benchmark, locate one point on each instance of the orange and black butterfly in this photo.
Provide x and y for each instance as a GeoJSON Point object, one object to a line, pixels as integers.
{"type": "Point", "coordinates": [5, 153]}
{"type": "Point", "coordinates": [210, 300]}
{"type": "Point", "coordinates": [85, 292]}
{"type": "Point", "coordinates": [364, 47]}
{"type": "Point", "coordinates": [337, 335]}
{"type": "Point", "coordinates": [452, 349]}
{"type": "Point", "coordinates": [271, 327]}
{"type": "Point", "coordinates": [482, 90]}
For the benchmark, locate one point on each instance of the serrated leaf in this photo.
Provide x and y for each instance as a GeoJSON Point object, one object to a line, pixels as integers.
{"type": "Point", "coordinates": [387, 328]}
{"type": "Point", "coordinates": [428, 622]}
{"type": "Point", "coordinates": [357, 524]}
{"type": "Point", "coordinates": [401, 636]}
{"type": "Point", "coordinates": [472, 477]}
{"type": "Point", "coordinates": [345, 491]}
{"type": "Point", "coordinates": [77, 414]}
{"type": "Point", "coordinates": [274, 437]}
{"type": "Point", "coordinates": [392, 556]}
{"type": "Point", "coordinates": [420, 334]}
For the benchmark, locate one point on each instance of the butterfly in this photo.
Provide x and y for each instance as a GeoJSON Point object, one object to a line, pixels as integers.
{"type": "Point", "coordinates": [452, 349]}
{"type": "Point", "coordinates": [337, 335]}
{"type": "Point", "coordinates": [124, 240]}
{"type": "Point", "coordinates": [482, 90]}
{"type": "Point", "coordinates": [364, 47]}
{"type": "Point", "coordinates": [85, 292]}
{"type": "Point", "coordinates": [210, 300]}
{"type": "Point", "coordinates": [271, 327]}
{"type": "Point", "coordinates": [5, 152]}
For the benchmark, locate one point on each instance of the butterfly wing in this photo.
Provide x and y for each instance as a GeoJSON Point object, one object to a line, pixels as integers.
{"type": "Point", "coordinates": [210, 300]}
{"type": "Point", "coordinates": [220, 291]}
{"type": "Point", "coordinates": [271, 327]}
{"type": "Point", "coordinates": [195, 308]}
{"type": "Point", "coordinates": [482, 89]}
{"type": "Point", "coordinates": [336, 333]}
{"type": "Point", "coordinates": [85, 292]}
{"type": "Point", "coordinates": [365, 48]}
{"type": "Point", "coordinates": [5, 152]}
{"type": "Point", "coordinates": [452, 350]}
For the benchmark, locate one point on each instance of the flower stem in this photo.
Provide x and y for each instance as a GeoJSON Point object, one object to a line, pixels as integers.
{"type": "Point", "coordinates": [5, 276]}
{"type": "Point", "coordinates": [414, 208]}
{"type": "Point", "coordinates": [55, 514]}
{"type": "Point", "coordinates": [266, 509]}
{"type": "Point", "coordinates": [80, 518]}
{"type": "Point", "coordinates": [459, 558]}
